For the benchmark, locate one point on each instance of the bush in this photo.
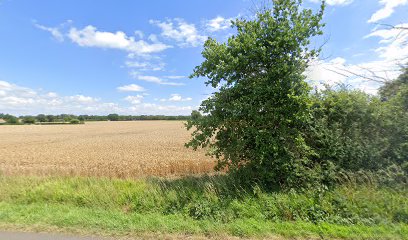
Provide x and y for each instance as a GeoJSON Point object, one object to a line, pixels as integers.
{"type": "Point", "coordinates": [113, 117]}
{"type": "Point", "coordinates": [75, 121]}
{"type": "Point", "coordinates": [345, 129]}
{"type": "Point", "coordinates": [28, 120]}
{"type": "Point", "coordinates": [357, 131]}
{"type": "Point", "coordinates": [10, 119]}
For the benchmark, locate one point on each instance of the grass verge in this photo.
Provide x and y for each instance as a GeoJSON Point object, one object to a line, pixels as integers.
{"type": "Point", "coordinates": [206, 206]}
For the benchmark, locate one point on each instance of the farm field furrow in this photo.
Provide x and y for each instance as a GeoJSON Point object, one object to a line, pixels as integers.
{"type": "Point", "coordinates": [109, 149]}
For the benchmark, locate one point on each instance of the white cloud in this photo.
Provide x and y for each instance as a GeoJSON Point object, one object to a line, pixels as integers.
{"type": "Point", "coordinates": [131, 88]}
{"type": "Point", "coordinates": [387, 10]}
{"type": "Point", "coordinates": [394, 42]}
{"type": "Point", "coordinates": [156, 109]}
{"type": "Point", "coordinates": [217, 24]}
{"type": "Point", "coordinates": [321, 73]}
{"type": "Point", "coordinates": [154, 79]}
{"type": "Point", "coordinates": [139, 33]}
{"type": "Point", "coordinates": [82, 99]}
{"type": "Point", "coordinates": [140, 55]}
{"type": "Point", "coordinates": [18, 100]}
{"type": "Point", "coordinates": [175, 77]}
{"type": "Point", "coordinates": [17, 90]}
{"type": "Point", "coordinates": [334, 2]}
{"type": "Point", "coordinates": [91, 37]}
{"type": "Point", "coordinates": [176, 98]}
{"type": "Point", "coordinates": [55, 32]}
{"type": "Point", "coordinates": [135, 99]}
{"type": "Point", "coordinates": [358, 54]}
{"type": "Point", "coordinates": [140, 107]}
{"type": "Point", "coordinates": [52, 95]}
{"type": "Point", "coordinates": [23, 101]}
{"type": "Point", "coordinates": [368, 75]}
{"type": "Point", "coordinates": [337, 71]}
{"type": "Point", "coordinates": [145, 65]}
{"type": "Point", "coordinates": [153, 38]}
{"type": "Point", "coordinates": [185, 34]}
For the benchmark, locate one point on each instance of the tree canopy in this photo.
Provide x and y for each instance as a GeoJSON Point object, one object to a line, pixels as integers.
{"type": "Point", "coordinates": [252, 125]}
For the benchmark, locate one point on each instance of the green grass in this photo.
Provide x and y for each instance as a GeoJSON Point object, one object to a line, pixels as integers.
{"type": "Point", "coordinates": [206, 206]}
{"type": "Point", "coordinates": [57, 123]}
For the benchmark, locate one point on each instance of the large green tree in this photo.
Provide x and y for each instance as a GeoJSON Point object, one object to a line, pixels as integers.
{"type": "Point", "coordinates": [253, 124]}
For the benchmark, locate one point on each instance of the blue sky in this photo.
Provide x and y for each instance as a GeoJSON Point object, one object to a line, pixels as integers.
{"type": "Point", "coordinates": [134, 57]}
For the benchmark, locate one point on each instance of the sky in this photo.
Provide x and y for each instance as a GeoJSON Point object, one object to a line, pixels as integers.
{"type": "Point", "coordinates": [134, 57]}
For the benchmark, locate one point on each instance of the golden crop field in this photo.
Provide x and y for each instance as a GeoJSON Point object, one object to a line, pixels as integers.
{"type": "Point", "coordinates": [112, 149]}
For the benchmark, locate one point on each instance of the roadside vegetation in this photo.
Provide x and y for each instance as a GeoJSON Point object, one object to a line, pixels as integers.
{"type": "Point", "coordinates": [212, 206]}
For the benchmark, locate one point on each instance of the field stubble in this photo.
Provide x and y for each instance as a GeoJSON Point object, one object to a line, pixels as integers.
{"type": "Point", "coordinates": [109, 149]}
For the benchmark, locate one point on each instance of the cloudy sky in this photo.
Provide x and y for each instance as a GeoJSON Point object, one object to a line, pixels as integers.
{"type": "Point", "coordinates": [133, 57]}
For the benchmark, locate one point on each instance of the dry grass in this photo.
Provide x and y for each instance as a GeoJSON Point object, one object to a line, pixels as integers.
{"type": "Point", "coordinates": [110, 149]}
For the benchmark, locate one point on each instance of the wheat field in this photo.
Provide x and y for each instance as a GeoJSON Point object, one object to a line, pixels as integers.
{"type": "Point", "coordinates": [109, 149]}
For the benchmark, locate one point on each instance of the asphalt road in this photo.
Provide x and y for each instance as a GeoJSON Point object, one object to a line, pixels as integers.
{"type": "Point", "coordinates": [42, 236]}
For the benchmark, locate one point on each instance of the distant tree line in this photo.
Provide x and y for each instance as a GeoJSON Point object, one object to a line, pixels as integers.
{"type": "Point", "coordinates": [116, 117]}
{"type": "Point", "coordinates": [70, 118]}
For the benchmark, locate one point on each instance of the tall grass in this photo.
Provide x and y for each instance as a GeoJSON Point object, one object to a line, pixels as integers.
{"type": "Point", "coordinates": [209, 204]}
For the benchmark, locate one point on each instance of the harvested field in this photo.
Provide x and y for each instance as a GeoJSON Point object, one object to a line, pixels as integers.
{"type": "Point", "coordinates": [110, 149]}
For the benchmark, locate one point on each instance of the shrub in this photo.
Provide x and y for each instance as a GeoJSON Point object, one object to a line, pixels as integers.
{"type": "Point", "coordinates": [113, 117]}
{"type": "Point", "coordinates": [357, 131]}
{"type": "Point", "coordinates": [401, 217]}
{"type": "Point", "coordinates": [75, 121]}
{"type": "Point", "coordinates": [10, 119]}
{"type": "Point", "coordinates": [28, 120]}
{"type": "Point", "coordinates": [345, 129]}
